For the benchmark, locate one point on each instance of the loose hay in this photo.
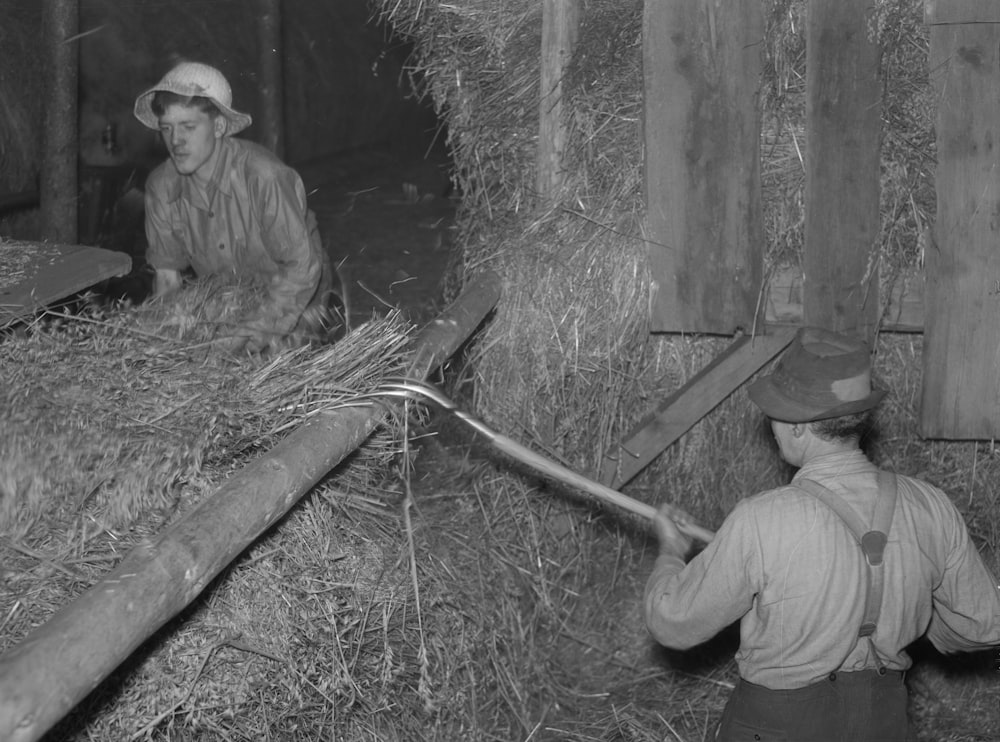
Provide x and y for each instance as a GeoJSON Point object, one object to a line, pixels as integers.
{"type": "Point", "coordinates": [116, 417]}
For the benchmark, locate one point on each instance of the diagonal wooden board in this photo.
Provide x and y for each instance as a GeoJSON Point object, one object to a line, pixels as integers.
{"type": "Point", "coordinates": [690, 403]}
{"type": "Point", "coordinates": [36, 274]}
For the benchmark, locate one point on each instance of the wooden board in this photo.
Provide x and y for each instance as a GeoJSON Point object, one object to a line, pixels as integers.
{"type": "Point", "coordinates": [902, 305]}
{"type": "Point", "coordinates": [36, 274]}
{"type": "Point", "coordinates": [702, 63]}
{"type": "Point", "coordinates": [560, 30]}
{"type": "Point", "coordinates": [961, 11]}
{"type": "Point", "coordinates": [843, 121]}
{"type": "Point", "coordinates": [681, 410]}
{"type": "Point", "coordinates": [960, 398]}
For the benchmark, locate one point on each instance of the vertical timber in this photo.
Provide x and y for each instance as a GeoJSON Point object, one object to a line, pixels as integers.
{"type": "Point", "coordinates": [271, 78]}
{"type": "Point", "coordinates": [560, 30]}
{"type": "Point", "coordinates": [702, 65]}
{"type": "Point", "coordinates": [58, 190]}
{"type": "Point", "coordinates": [843, 124]}
{"type": "Point", "coordinates": [961, 383]}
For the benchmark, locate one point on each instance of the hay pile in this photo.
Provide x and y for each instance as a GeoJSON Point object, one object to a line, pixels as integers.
{"type": "Point", "coordinates": [567, 366]}
{"type": "Point", "coordinates": [120, 415]}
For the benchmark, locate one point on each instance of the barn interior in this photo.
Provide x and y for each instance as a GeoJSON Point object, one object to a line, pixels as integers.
{"type": "Point", "coordinates": [431, 586]}
{"type": "Point", "coordinates": [354, 121]}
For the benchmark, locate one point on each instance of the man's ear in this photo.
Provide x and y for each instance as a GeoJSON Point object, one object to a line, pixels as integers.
{"type": "Point", "coordinates": [221, 126]}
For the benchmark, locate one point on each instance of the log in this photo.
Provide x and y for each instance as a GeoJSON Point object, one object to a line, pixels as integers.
{"type": "Point", "coordinates": [59, 663]}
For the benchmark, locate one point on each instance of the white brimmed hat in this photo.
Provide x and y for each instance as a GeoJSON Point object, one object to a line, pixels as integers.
{"type": "Point", "coordinates": [189, 79]}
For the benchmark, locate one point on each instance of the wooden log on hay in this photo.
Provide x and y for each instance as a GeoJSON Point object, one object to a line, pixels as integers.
{"type": "Point", "coordinates": [58, 664]}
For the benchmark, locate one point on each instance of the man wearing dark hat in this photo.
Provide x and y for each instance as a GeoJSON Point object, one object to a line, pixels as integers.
{"type": "Point", "coordinates": [222, 205]}
{"type": "Point", "coordinates": [831, 576]}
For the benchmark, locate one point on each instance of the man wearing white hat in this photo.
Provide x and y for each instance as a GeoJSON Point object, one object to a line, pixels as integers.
{"type": "Point", "coordinates": [832, 576]}
{"type": "Point", "coordinates": [225, 205]}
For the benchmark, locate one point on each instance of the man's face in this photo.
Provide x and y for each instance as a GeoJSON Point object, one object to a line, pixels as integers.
{"type": "Point", "coordinates": [190, 135]}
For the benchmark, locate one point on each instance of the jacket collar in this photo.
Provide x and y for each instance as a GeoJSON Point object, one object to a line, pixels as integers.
{"type": "Point", "coordinates": [181, 186]}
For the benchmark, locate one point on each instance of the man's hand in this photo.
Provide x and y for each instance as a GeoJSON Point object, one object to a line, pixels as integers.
{"type": "Point", "coordinates": [672, 541]}
{"type": "Point", "coordinates": [166, 281]}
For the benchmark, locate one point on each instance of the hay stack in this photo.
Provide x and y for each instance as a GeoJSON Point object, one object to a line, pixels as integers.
{"type": "Point", "coordinates": [119, 416]}
{"type": "Point", "coordinates": [569, 363]}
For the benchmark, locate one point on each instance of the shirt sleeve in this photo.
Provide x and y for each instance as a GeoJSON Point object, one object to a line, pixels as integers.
{"type": "Point", "coordinates": [165, 246]}
{"type": "Point", "coordinates": [687, 605]}
{"type": "Point", "coordinates": [966, 603]}
{"type": "Point", "coordinates": [286, 227]}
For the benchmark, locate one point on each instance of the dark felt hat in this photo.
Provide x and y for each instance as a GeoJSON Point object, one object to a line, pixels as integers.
{"type": "Point", "coordinates": [823, 374]}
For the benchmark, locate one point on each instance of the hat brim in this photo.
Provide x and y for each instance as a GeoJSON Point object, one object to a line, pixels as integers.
{"type": "Point", "coordinates": [779, 406]}
{"type": "Point", "coordinates": [143, 110]}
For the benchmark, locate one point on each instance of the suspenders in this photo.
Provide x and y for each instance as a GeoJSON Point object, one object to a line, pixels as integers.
{"type": "Point", "coordinates": [871, 540]}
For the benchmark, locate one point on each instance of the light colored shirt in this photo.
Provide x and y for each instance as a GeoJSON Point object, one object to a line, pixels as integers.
{"type": "Point", "coordinates": [785, 565]}
{"type": "Point", "coordinates": [255, 222]}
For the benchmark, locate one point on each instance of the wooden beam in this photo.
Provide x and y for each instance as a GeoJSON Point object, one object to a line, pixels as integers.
{"type": "Point", "coordinates": [679, 412]}
{"type": "Point", "coordinates": [271, 100]}
{"type": "Point", "coordinates": [58, 179]}
{"type": "Point", "coordinates": [702, 64]}
{"type": "Point", "coordinates": [560, 30]}
{"type": "Point", "coordinates": [961, 11]}
{"type": "Point", "coordinates": [960, 397]}
{"type": "Point", "coordinates": [843, 124]}
{"type": "Point", "coordinates": [60, 662]}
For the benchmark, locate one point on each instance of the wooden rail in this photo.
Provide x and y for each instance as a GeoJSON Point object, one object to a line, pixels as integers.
{"type": "Point", "coordinates": [63, 660]}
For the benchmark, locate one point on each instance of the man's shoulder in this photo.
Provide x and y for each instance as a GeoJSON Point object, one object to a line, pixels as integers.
{"type": "Point", "coordinates": [256, 159]}
{"type": "Point", "coordinates": [164, 178]}
{"type": "Point", "coordinates": [764, 506]}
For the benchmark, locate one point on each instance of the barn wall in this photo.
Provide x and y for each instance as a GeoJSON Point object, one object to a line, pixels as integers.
{"type": "Point", "coordinates": [345, 86]}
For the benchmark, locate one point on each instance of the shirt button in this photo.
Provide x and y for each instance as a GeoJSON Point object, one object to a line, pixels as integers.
{"type": "Point", "coordinates": [222, 245]}
{"type": "Point", "coordinates": [832, 676]}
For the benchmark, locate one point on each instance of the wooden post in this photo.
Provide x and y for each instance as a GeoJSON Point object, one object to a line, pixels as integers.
{"type": "Point", "coordinates": [58, 178]}
{"type": "Point", "coordinates": [560, 30]}
{"type": "Point", "coordinates": [960, 398]}
{"type": "Point", "coordinates": [702, 62]}
{"type": "Point", "coordinates": [843, 122]}
{"type": "Point", "coordinates": [60, 662]}
{"type": "Point", "coordinates": [270, 120]}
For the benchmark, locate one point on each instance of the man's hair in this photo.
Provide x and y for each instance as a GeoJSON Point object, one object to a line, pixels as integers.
{"type": "Point", "coordinates": [164, 98]}
{"type": "Point", "coordinates": [844, 428]}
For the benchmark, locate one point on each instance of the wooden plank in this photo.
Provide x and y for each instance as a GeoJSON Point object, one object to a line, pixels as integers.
{"type": "Point", "coordinates": [61, 661]}
{"type": "Point", "coordinates": [36, 274]}
{"type": "Point", "coordinates": [843, 121]}
{"type": "Point", "coordinates": [560, 30]}
{"type": "Point", "coordinates": [681, 410]}
{"type": "Point", "coordinates": [961, 11]}
{"type": "Point", "coordinates": [902, 309]}
{"type": "Point", "coordinates": [702, 63]}
{"type": "Point", "coordinates": [960, 398]}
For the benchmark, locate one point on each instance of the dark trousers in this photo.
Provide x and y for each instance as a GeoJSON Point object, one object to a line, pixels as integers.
{"type": "Point", "coordinates": [846, 707]}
